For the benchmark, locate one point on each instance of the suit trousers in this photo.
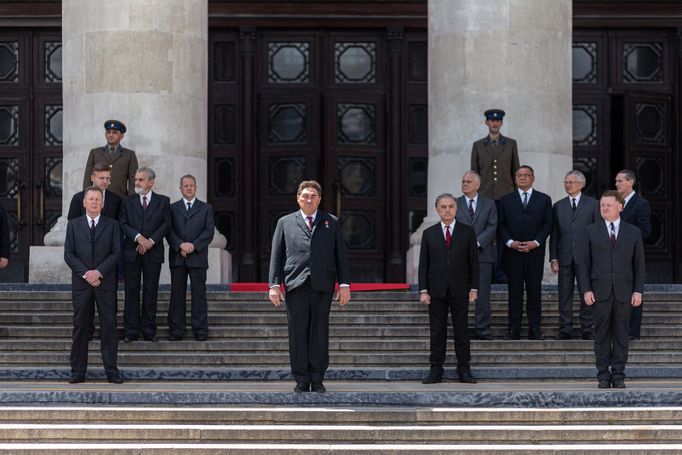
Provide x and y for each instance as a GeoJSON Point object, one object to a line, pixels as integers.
{"type": "Point", "coordinates": [636, 320]}
{"type": "Point", "coordinates": [134, 320]}
{"type": "Point", "coordinates": [438, 324]}
{"type": "Point", "coordinates": [178, 309]}
{"type": "Point", "coordinates": [308, 321]}
{"type": "Point", "coordinates": [611, 340]}
{"type": "Point", "coordinates": [566, 281]}
{"type": "Point", "coordinates": [83, 316]}
{"type": "Point", "coordinates": [483, 317]}
{"type": "Point", "coordinates": [524, 269]}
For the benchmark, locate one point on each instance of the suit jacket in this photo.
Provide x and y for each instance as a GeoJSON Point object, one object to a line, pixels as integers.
{"type": "Point", "coordinates": [153, 223]}
{"type": "Point", "coordinates": [532, 223]}
{"type": "Point", "coordinates": [112, 205]}
{"type": "Point", "coordinates": [297, 253]}
{"type": "Point", "coordinates": [568, 227]}
{"type": "Point", "coordinates": [81, 256]}
{"type": "Point", "coordinates": [603, 270]}
{"type": "Point", "coordinates": [496, 168]}
{"type": "Point", "coordinates": [4, 234]}
{"type": "Point", "coordinates": [484, 224]}
{"type": "Point", "coordinates": [123, 167]}
{"type": "Point", "coordinates": [195, 226]}
{"type": "Point", "coordinates": [454, 268]}
{"type": "Point", "coordinates": [638, 212]}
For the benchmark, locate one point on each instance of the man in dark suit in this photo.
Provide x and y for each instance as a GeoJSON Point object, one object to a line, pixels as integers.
{"type": "Point", "coordinates": [190, 233]}
{"type": "Point", "coordinates": [308, 255]}
{"type": "Point", "coordinates": [525, 222]}
{"type": "Point", "coordinates": [636, 211]}
{"type": "Point", "coordinates": [5, 245]}
{"type": "Point", "coordinates": [122, 161]}
{"type": "Point", "coordinates": [480, 213]}
{"type": "Point", "coordinates": [570, 216]}
{"type": "Point", "coordinates": [145, 220]}
{"type": "Point", "coordinates": [92, 248]}
{"type": "Point", "coordinates": [611, 274]}
{"type": "Point", "coordinates": [448, 282]}
{"type": "Point", "coordinates": [495, 158]}
{"type": "Point", "coordinates": [99, 178]}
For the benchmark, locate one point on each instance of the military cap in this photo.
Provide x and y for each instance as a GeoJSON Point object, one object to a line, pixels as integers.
{"type": "Point", "coordinates": [494, 114]}
{"type": "Point", "coordinates": [115, 125]}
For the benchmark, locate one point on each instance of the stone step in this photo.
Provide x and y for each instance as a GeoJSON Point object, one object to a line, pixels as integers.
{"type": "Point", "coordinates": [338, 359]}
{"type": "Point", "coordinates": [348, 433]}
{"type": "Point", "coordinates": [378, 344]}
{"type": "Point", "coordinates": [336, 331]}
{"type": "Point", "coordinates": [340, 415]}
{"type": "Point", "coordinates": [279, 317]}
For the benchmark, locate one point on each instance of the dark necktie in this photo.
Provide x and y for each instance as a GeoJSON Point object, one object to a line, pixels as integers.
{"type": "Point", "coordinates": [525, 200]}
{"type": "Point", "coordinates": [92, 230]}
{"type": "Point", "coordinates": [574, 206]}
{"type": "Point", "coordinates": [309, 222]}
{"type": "Point", "coordinates": [112, 151]}
{"type": "Point", "coordinates": [144, 202]}
{"type": "Point", "coordinates": [613, 237]}
{"type": "Point", "coordinates": [189, 206]}
{"type": "Point", "coordinates": [448, 236]}
{"type": "Point", "coordinates": [471, 208]}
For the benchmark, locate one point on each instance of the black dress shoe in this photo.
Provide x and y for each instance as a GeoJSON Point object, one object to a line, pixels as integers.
{"type": "Point", "coordinates": [618, 383]}
{"type": "Point", "coordinates": [535, 335]}
{"type": "Point", "coordinates": [512, 336]}
{"type": "Point", "coordinates": [201, 337]}
{"type": "Point", "coordinates": [302, 387]}
{"type": "Point", "coordinates": [76, 379]}
{"type": "Point", "coordinates": [467, 377]}
{"type": "Point", "coordinates": [318, 387]}
{"type": "Point", "coordinates": [433, 378]}
{"type": "Point", "coordinates": [114, 378]}
{"type": "Point", "coordinates": [129, 339]}
{"type": "Point", "coordinates": [175, 337]}
{"type": "Point", "coordinates": [487, 337]}
{"type": "Point", "coordinates": [633, 338]}
{"type": "Point", "coordinates": [562, 336]}
{"type": "Point", "coordinates": [153, 339]}
{"type": "Point", "coordinates": [587, 336]}
{"type": "Point", "coordinates": [604, 384]}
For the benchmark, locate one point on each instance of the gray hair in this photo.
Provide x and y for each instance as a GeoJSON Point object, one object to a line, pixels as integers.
{"type": "Point", "coordinates": [578, 175]}
{"type": "Point", "coordinates": [444, 196]}
{"type": "Point", "coordinates": [151, 175]}
{"type": "Point", "coordinates": [474, 174]}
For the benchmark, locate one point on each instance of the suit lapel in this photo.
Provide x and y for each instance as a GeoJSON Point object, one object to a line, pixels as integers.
{"type": "Point", "coordinates": [151, 204]}
{"type": "Point", "coordinates": [100, 227]}
{"type": "Point", "coordinates": [301, 223]}
{"type": "Point", "coordinates": [83, 221]}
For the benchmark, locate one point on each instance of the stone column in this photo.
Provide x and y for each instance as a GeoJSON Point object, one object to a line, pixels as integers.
{"type": "Point", "coordinates": [509, 54]}
{"type": "Point", "coordinates": [144, 63]}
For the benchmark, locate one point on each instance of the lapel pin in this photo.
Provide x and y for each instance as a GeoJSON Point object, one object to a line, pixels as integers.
{"type": "Point", "coordinates": [326, 224]}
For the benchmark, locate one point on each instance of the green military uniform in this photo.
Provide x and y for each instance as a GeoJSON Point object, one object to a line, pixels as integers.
{"type": "Point", "coordinates": [123, 165]}
{"type": "Point", "coordinates": [496, 163]}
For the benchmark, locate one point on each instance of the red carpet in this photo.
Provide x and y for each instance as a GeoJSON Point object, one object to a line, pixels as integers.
{"type": "Point", "coordinates": [357, 287]}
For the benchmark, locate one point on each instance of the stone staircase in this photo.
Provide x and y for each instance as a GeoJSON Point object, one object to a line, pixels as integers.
{"type": "Point", "coordinates": [381, 335]}
{"type": "Point", "coordinates": [357, 430]}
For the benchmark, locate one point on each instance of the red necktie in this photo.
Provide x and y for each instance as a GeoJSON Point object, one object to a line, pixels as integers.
{"type": "Point", "coordinates": [144, 202]}
{"type": "Point", "coordinates": [309, 222]}
{"type": "Point", "coordinates": [448, 236]}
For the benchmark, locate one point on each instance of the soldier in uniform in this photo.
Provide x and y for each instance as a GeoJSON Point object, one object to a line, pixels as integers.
{"type": "Point", "coordinates": [495, 158]}
{"type": "Point", "coordinates": [121, 161]}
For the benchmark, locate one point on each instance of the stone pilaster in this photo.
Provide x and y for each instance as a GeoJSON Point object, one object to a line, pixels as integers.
{"type": "Point", "coordinates": [146, 64]}
{"type": "Point", "coordinates": [509, 54]}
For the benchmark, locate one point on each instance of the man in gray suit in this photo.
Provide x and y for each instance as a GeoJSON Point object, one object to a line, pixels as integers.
{"type": "Point", "coordinates": [611, 274]}
{"type": "Point", "coordinates": [570, 216]}
{"type": "Point", "coordinates": [480, 213]}
{"type": "Point", "coordinates": [308, 256]}
{"type": "Point", "coordinates": [190, 233]}
{"type": "Point", "coordinates": [92, 248]}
